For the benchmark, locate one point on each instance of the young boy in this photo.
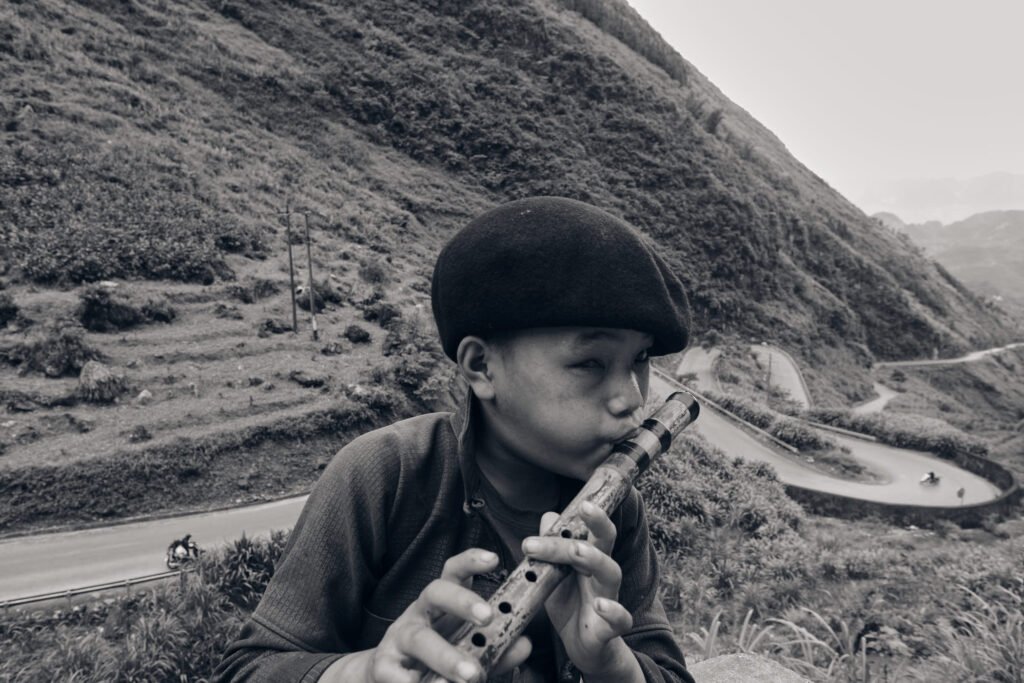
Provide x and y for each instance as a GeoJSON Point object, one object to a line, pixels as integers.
{"type": "Point", "coordinates": [551, 309]}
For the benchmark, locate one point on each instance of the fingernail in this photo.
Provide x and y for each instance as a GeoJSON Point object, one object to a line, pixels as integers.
{"type": "Point", "coordinates": [486, 556]}
{"type": "Point", "coordinates": [465, 670]}
{"type": "Point", "coordinates": [589, 507]}
{"type": "Point", "coordinates": [531, 545]}
{"type": "Point", "coordinates": [482, 612]}
{"type": "Point", "coordinates": [581, 548]}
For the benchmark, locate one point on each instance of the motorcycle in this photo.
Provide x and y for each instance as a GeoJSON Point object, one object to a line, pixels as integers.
{"type": "Point", "coordinates": [929, 479]}
{"type": "Point", "coordinates": [181, 552]}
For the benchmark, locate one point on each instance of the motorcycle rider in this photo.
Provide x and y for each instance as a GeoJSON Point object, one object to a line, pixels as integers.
{"type": "Point", "coordinates": [182, 548]}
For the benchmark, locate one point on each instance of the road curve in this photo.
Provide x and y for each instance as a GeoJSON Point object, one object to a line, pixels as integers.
{"type": "Point", "coordinates": [783, 373]}
{"type": "Point", "coordinates": [900, 469]}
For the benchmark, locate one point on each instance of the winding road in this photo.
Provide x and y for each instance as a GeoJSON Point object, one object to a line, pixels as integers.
{"type": "Point", "coordinates": [55, 562]}
{"type": "Point", "coordinates": [900, 469]}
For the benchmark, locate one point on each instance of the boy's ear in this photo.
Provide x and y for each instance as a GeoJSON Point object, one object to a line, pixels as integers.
{"type": "Point", "coordinates": [474, 359]}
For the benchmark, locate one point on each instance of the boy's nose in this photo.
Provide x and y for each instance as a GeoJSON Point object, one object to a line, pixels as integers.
{"type": "Point", "coordinates": [628, 396]}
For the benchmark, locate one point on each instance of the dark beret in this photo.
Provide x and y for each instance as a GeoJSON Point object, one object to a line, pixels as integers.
{"type": "Point", "coordinates": [555, 262]}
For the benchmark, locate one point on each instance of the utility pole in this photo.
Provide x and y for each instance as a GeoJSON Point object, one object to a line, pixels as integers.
{"type": "Point", "coordinates": [309, 265]}
{"type": "Point", "coordinates": [291, 264]}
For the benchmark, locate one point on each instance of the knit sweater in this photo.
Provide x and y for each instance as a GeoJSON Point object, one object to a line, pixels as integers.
{"type": "Point", "coordinates": [388, 511]}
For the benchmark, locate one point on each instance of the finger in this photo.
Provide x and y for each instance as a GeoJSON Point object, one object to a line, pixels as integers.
{"type": "Point", "coordinates": [617, 619]}
{"type": "Point", "coordinates": [462, 567]}
{"type": "Point", "coordinates": [548, 520]}
{"type": "Point", "coordinates": [602, 531]}
{"type": "Point", "coordinates": [585, 558]}
{"type": "Point", "coordinates": [426, 646]}
{"type": "Point", "coordinates": [445, 597]}
{"type": "Point", "coordinates": [514, 656]}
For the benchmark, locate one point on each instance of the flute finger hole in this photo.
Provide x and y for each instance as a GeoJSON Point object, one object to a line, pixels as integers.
{"type": "Point", "coordinates": [531, 576]}
{"type": "Point", "coordinates": [566, 533]}
{"type": "Point", "coordinates": [504, 607]}
{"type": "Point", "coordinates": [479, 639]}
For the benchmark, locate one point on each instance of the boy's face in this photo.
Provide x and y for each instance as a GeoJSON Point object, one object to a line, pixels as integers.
{"type": "Point", "coordinates": [563, 396]}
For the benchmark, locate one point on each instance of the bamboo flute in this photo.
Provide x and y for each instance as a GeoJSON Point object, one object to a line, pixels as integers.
{"type": "Point", "coordinates": [524, 592]}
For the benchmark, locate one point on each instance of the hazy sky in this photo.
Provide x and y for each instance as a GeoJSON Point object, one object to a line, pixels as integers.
{"type": "Point", "coordinates": [863, 91]}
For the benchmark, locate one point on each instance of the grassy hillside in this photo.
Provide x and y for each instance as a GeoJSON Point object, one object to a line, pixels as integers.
{"type": "Point", "coordinates": [157, 144]}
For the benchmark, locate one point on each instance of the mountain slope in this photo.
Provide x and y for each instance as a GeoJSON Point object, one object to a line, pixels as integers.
{"type": "Point", "coordinates": [985, 251]}
{"type": "Point", "coordinates": [229, 108]}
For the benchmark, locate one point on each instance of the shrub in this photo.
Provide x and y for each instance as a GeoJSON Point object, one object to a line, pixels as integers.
{"type": "Point", "coordinates": [381, 312]}
{"type": "Point", "coordinates": [254, 290]}
{"type": "Point", "coordinates": [8, 309]}
{"type": "Point", "coordinates": [906, 431]}
{"type": "Point", "coordinates": [357, 334]}
{"type": "Point", "coordinates": [100, 310]}
{"type": "Point", "coordinates": [373, 272]}
{"type": "Point", "coordinates": [159, 311]}
{"type": "Point", "coordinates": [60, 353]}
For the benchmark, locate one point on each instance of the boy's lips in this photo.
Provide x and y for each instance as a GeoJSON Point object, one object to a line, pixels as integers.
{"type": "Point", "coordinates": [627, 435]}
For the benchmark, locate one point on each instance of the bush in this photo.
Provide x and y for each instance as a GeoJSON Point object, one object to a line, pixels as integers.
{"type": "Point", "coordinates": [373, 272]}
{"type": "Point", "coordinates": [61, 352]}
{"type": "Point", "coordinates": [906, 431]}
{"type": "Point", "coordinates": [254, 290]}
{"type": "Point", "coordinates": [357, 334]}
{"type": "Point", "coordinates": [381, 312]}
{"type": "Point", "coordinates": [100, 310]}
{"type": "Point", "coordinates": [8, 309]}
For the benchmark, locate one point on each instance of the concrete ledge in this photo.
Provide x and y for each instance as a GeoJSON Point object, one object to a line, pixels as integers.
{"type": "Point", "coordinates": [742, 668]}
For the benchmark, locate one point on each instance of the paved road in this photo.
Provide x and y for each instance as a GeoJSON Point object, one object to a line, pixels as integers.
{"type": "Point", "coordinates": [782, 373]}
{"type": "Point", "coordinates": [969, 358]}
{"type": "Point", "coordinates": [900, 469]}
{"type": "Point", "coordinates": [54, 562]}
{"type": "Point", "coordinates": [875, 405]}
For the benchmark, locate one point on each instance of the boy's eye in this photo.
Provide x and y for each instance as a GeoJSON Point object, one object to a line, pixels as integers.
{"type": "Point", "coordinates": [589, 364]}
{"type": "Point", "coordinates": [643, 357]}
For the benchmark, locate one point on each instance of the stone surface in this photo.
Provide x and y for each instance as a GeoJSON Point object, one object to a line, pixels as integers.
{"type": "Point", "coordinates": [742, 668]}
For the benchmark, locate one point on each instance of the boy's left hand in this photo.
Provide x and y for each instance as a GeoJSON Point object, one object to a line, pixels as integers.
{"type": "Point", "coordinates": [584, 609]}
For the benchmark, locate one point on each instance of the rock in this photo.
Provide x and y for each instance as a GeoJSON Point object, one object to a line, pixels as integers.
{"type": "Point", "coordinates": [145, 397]}
{"type": "Point", "coordinates": [743, 668]}
{"type": "Point", "coordinates": [21, 406]}
{"type": "Point", "coordinates": [308, 379]}
{"type": "Point", "coordinates": [270, 326]}
{"type": "Point", "coordinates": [255, 381]}
{"type": "Point", "coordinates": [97, 383]}
{"type": "Point", "coordinates": [332, 349]}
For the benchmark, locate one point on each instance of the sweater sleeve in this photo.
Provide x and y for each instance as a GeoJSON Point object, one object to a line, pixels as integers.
{"type": "Point", "coordinates": [312, 610]}
{"type": "Point", "coordinates": [651, 637]}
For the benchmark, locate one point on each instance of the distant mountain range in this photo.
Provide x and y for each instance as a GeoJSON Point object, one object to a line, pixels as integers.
{"type": "Point", "coordinates": [944, 199]}
{"type": "Point", "coordinates": [984, 251]}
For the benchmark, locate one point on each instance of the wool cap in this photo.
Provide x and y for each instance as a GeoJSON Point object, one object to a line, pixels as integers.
{"type": "Point", "coordinates": [555, 262]}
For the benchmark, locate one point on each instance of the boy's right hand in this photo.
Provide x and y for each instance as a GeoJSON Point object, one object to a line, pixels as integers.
{"type": "Point", "coordinates": [417, 641]}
